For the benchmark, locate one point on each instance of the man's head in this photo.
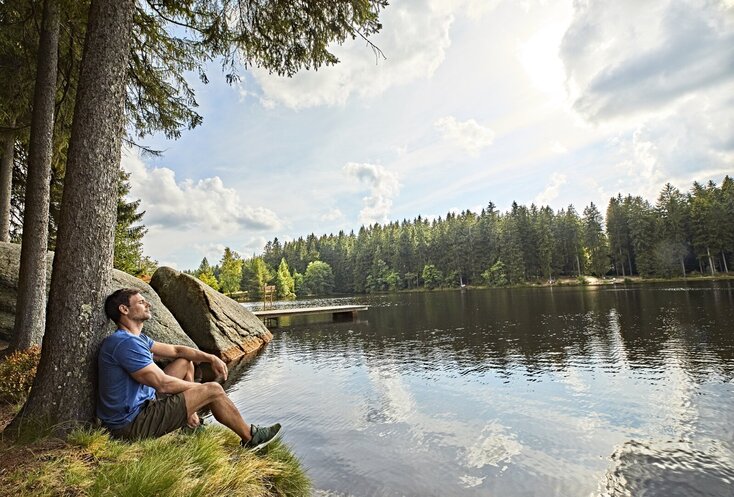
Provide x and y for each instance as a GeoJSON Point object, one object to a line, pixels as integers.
{"type": "Point", "coordinates": [127, 303]}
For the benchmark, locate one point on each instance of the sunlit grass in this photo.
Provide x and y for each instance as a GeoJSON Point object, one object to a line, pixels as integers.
{"type": "Point", "coordinates": [208, 463]}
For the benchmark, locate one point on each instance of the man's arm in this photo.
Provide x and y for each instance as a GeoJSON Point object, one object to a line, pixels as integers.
{"type": "Point", "coordinates": [155, 377]}
{"type": "Point", "coordinates": [194, 355]}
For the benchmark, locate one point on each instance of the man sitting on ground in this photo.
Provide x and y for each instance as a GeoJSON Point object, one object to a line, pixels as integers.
{"type": "Point", "coordinates": [138, 400]}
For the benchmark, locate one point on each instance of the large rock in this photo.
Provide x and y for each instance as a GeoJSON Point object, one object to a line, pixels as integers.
{"type": "Point", "coordinates": [216, 323]}
{"type": "Point", "coordinates": [162, 328]}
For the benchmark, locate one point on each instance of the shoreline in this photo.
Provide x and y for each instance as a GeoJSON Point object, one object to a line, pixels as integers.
{"type": "Point", "coordinates": [561, 282]}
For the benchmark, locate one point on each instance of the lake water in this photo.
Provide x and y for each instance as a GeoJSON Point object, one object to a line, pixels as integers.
{"type": "Point", "coordinates": [568, 392]}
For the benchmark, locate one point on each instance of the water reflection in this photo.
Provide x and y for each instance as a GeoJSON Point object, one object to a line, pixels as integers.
{"type": "Point", "coordinates": [508, 392]}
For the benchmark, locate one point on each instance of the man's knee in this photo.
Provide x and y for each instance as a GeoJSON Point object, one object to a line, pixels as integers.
{"type": "Point", "coordinates": [202, 395]}
{"type": "Point", "coordinates": [212, 390]}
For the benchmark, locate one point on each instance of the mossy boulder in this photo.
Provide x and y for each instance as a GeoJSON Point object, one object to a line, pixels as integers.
{"type": "Point", "coordinates": [163, 327]}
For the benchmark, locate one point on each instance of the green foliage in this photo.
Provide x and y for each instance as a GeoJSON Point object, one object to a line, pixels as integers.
{"type": "Point", "coordinates": [595, 241]}
{"type": "Point", "coordinates": [129, 232]}
{"type": "Point", "coordinates": [284, 282]}
{"type": "Point", "coordinates": [318, 279]}
{"type": "Point", "coordinates": [495, 275]}
{"type": "Point", "coordinates": [209, 463]}
{"type": "Point", "coordinates": [206, 274]}
{"type": "Point", "coordinates": [17, 372]}
{"type": "Point", "coordinates": [380, 278]}
{"type": "Point", "coordinates": [230, 272]}
{"type": "Point", "coordinates": [255, 276]}
{"type": "Point", "coordinates": [210, 280]}
{"type": "Point", "coordinates": [284, 36]}
{"type": "Point", "coordinates": [297, 283]}
{"type": "Point", "coordinates": [431, 276]}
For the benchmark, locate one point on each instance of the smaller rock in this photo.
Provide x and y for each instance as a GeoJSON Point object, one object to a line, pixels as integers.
{"type": "Point", "coordinates": [216, 323]}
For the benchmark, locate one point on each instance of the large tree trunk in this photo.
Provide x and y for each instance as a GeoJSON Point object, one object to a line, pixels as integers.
{"type": "Point", "coordinates": [6, 184]}
{"type": "Point", "coordinates": [31, 304]}
{"type": "Point", "coordinates": [63, 391]}
{"type": "Point", "coordinates": [711, 262]}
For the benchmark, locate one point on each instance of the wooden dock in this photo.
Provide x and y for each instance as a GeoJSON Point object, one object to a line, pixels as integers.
{"type": "Point", "coordinates": [271, 317]}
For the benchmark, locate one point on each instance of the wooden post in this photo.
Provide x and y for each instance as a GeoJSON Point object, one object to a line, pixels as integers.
{"type": "Point", "coordinates": [268, 293]}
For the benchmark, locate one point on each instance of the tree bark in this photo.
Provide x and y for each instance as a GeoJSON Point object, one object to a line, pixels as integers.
{"type": "Point", "coordinates": [629, 260]}
{"type": "Point", "coordinates": [711, 261]}
{"type": "Point", "coordinates": [683, 265]}
{"type": "Point", "coordinates": [64, 388]}
{"type": "Point", "coordinates": [723, 260]}
{"type": "Point", "coordinates": [6, 184]}
{"type": "Point", "coordinates": [621, 263]}
{"type": "Point", "coordinates": [31, 304]}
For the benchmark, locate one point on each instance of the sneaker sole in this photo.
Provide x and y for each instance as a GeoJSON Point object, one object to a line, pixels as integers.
{"type": "Point", "coordinates": [265, 444]}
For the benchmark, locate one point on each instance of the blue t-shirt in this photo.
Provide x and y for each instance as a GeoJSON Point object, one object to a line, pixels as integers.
{"type": "Point", "coordinates": [120, 396]}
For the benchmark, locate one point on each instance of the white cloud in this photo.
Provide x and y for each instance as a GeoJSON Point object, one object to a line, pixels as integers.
{"type": "Point", "coordinates": [558, 148]}
{"type": "Point", "coordinates": [212, 251]}
{"type": "Point", "coordinates": [332, 215]}
{"type": "Point", "coordinates": [414, 39]}
{"type": "Point", "coordinates": [383, 186]}
{"type": "Point", "coordinates": [469, 135]}
{"type": "Point", "coordinates": [552, 190]}
{"type": "Point", "coordinates": [662, 74]}
{"type": "Point", "coordinates": [202, 205]}
{"type": "Point", "coordinates": [627, 56]}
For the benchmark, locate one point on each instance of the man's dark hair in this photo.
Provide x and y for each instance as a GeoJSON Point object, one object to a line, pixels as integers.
{"type": "Point", "coordinates": [118, 298]}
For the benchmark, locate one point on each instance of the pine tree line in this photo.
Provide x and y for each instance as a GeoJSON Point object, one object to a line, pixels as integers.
{"type": "Point", "coordinates": [681, 234]}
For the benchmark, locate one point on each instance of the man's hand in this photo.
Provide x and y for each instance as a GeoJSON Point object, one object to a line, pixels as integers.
{"type": "Point", "coordinates": [219, 368]}
{"type": "Point", "coordinates": [193, 420]}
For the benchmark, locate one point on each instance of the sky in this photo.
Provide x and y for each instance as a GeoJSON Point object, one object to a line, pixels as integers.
{"type": "Point", "coordinates": [475, 101]}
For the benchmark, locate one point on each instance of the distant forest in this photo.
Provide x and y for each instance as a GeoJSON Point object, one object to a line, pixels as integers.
{"type": "Point", "coordinates": [681, 234]}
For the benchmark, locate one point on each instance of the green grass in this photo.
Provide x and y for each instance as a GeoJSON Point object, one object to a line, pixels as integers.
{"type": "Point", "coordinates": [208, 463]}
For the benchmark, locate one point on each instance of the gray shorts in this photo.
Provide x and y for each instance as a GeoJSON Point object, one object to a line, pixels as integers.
{"type": "Point", "coordinates": [157, 417]}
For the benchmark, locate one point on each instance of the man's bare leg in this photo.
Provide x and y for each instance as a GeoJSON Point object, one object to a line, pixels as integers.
{"type": "Point", "coordinates": [183, 369]}
{"type": "Point", "coordinates": [213, 396]}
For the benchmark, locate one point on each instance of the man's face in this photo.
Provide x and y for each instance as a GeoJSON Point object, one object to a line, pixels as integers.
{"type": "Point", "coordinates": [139, 308]}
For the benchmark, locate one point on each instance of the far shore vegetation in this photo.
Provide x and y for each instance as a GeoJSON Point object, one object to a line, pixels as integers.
{"type": "Point", "coordinates": [681, 236]}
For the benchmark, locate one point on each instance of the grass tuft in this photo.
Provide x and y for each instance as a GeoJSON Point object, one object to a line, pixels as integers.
{"type": "Point", "coordinates": [208, 463]}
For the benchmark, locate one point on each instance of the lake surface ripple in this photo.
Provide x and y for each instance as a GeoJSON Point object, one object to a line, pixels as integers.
{"type": "Point", "coordinates": [608, 391]}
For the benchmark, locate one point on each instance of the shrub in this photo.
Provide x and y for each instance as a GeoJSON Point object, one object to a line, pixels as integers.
{"type": "Point", "coordinates": [495, 275]}
{"type": "Point", "coordinates": [16, 374]}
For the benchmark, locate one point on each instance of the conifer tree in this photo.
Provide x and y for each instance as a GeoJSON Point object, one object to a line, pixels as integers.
{"type": "Point", "coordinates": [230, 271]}
{"type": "Point", "coordinates": [255, 276]}
{"type": "Point", "coordinates": [673, 238]}
{"type": "Point", "coordinates": [284, 282]}
{"type": "Point", "coordinates": [595, 241]}
{"type": "Point", "coordinates": [206, 274]}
